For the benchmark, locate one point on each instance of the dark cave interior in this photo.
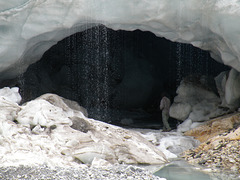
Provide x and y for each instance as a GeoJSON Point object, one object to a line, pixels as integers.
{"type": "Point", "coordinates": [118, 76]}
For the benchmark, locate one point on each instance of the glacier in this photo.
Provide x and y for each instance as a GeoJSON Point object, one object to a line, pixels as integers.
{"type": "Point", "coordinates": [30, 27]}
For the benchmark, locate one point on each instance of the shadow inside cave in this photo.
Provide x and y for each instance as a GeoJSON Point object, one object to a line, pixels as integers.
{"type": "Point", "coordinates": [118, 76]}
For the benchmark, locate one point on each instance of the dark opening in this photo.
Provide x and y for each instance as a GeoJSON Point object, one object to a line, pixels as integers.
{"type": "Point", "coordinates": [116, 75]}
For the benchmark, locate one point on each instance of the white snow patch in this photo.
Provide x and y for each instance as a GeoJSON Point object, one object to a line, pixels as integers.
{"type": "Point", "coordinates": [40, 132]}
{"type": "Point", "coordinates": [172, 144]}
{"type": "Point", "coordinates": [11, 94]}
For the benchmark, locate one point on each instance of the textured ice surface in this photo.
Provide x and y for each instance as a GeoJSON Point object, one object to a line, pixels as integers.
{"type": "Point", "coordinates": [47, 130]}
{"type": "Point", "coordinates": [11, 94]}
{"type": "Point", "coordinates": [29, 28]}
{"type": "Point", "coordinates": [197, 100]}
{"type": "Point", "coordinates": [172, 144]}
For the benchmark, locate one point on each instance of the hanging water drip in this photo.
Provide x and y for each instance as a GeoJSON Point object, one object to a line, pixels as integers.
{"type": "Point", "coordinates": [20, 78]}
{"type": "Point", "coordinates": [95, 57]}
{"type": "Point", "coordinates": [106, 57]}
{"type": "Point", "coordinates": [179, 62]}
{"type": "Point", "coordinates": [192, 61]}
{"type": "Point", "coordinates": [113, 74]}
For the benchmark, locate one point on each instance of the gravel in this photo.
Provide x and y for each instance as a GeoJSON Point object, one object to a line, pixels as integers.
{"type": "Point", "coordinates": [117, 172]}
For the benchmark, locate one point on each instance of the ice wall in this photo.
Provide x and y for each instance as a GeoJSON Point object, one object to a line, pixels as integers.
{"type": "Point", "coordinates": [29, 27]}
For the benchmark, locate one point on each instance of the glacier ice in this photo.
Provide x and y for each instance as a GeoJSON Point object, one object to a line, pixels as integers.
{"type": "Point", "coordinates": [196, 100]}
{"type": "Point", "coordinates": [172, 143]}
{"type": "Point", "coordinates": [11, 94]}
{"type": "Point", "coordinates": [40, 132]}
{"type": "Point", "coordinates": [232, 94]}
{"type": "Point", "coordinates": [29, 27]}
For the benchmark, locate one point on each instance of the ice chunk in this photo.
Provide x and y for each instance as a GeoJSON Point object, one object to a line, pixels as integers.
{"type": "Point", "coordinates": [172, 144]}
{"type": "Point", "coordinates": [232, 93]}
{"type": "Point", "coordinates": [11, 94]}
{"type": "Point", "coordinates": [196, 99]}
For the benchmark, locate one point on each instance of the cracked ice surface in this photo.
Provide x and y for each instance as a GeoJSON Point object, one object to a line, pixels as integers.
{"type": "Point", "coordinates": [29, 27]}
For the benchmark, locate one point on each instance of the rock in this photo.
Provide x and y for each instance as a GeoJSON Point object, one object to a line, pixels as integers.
{"type": "Point", "coordinates": [221, 152]}
{"type": "Point", "coordinates": [235, 135]}
{"type": "Point", "coordinates": [80, 124]}
{"type": "Point", "coordinates": [80, 172]}
{"type": "Point", "coordinates": [220, 147]}
{"type": "Point", "coordinates": [214, 127]}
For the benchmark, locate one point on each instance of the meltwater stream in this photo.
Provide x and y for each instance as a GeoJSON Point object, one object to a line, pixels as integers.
{"type": "Point", "coordinates": [180, 170]}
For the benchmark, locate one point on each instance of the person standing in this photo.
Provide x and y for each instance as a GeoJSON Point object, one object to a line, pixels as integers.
{"type": "Point", "coordinates": [164, 107]}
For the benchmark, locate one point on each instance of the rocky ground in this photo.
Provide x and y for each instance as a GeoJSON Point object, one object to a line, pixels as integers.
{"type": "Point", "coordinates": [108, 173]}
{"type": "Point", "coordinates": [220, 152]}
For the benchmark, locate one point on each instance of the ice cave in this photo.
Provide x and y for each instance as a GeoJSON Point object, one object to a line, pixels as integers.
{"type": "Point", "coordinates": [81, 82]}
{"type": "Point", "coordinates": [118, 76]}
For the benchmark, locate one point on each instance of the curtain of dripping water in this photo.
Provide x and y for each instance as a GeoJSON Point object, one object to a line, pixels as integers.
{"type": "Point", "coordinates": [207, 65]}
{"type": "Point", "coordinates": [96, 71]}
{"type": "Point", "coordinates": [190, 58]}
{"type": "Point", "coordinates": [86, 58]}
{"type": "Point", "coordinates": [97, 65]}
{"type": "Point", "coordinates": [199, 57]}
{"type": "Point", "coordinates": [106, 64]}
{"type": "Point", "coordinates": [179, 46]}
{"type": "Point", "coordinates": [171, 70]}
{"type": "Point", "coordinates": [179, 62]}
{"type": "Point", "coordinates": [73, 75]}
{"type": "Point", "coordinates": [68, 55]}
{"type": "Point", "coordinates": [116, 45]}
{"type": "Point", "coordinates": [20, 79]}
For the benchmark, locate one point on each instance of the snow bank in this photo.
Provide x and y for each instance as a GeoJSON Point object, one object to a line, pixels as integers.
{"type": "Point", "coordinates": [48, 131]}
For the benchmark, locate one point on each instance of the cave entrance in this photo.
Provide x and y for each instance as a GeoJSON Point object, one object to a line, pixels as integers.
{"type": "Point", "coordinates": [118, 76]}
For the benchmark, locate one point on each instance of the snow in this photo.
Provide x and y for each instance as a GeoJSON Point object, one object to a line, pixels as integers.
{"type": "Point", "coordinates": [44, 131]}
{"type": "Point", "coordinates": [187, 125]}
{"type": "Point", "coordinates": [197, 100]}
{"type": "Point", "coordinates": [172, 144]}
{"type": "Point", "coordinates": [40, 112]}
{"type": "Point", "coordinates": [11, 94]}
{"type": "Point", "coordinates": [29, 28]}
{"type": "Point", "coordinates": [41, 132]}
{"type": "Point", "coordinates": [232, 94]}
